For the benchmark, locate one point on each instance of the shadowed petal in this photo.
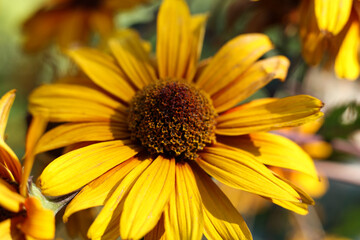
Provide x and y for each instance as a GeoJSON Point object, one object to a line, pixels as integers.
{"type": "Point", "coordinates": [273, 150]}
{"type": "Point", "coordinates": [10, 200]}
{"type": "Point", "coordinates": [240, 170]}
{"type": "Point", "coordinates": [70, 133]}
{"type": "Point", "coordinates": [256, 77]}
{"type": "Point", "coordinates": [133, 58]}
{"type": "Point", "coordinates": [39, 222]}
{"type": "Point", "coordinates": [7, 157]}
{"type": "Point", "coordinates": [158, 233]}
{"type": "Point", "coordinates": [222, 220]}
{"type": "Point", "coordinates": [79, 167]}
{"type": "Point", "coordinates": [285, 112]}
{"type": "Point", "coordinates": [147, 199]}
{"type": "Point", "coordinates": [107, 222]}
{"type": "Point", "coordinates": [184, 214]}
{"type": "Point", "coordinates": [232, 60]}
{"type": "Point", "coordinates": [95, 193]}
{"type": "Point", "coordinates": [66, 102]}
{"type": "Point", "coordinates": [101, 68]}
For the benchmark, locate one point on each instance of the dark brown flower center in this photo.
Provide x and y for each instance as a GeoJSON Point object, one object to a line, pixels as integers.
{"type": "Point", "coordinates": [173, 118]}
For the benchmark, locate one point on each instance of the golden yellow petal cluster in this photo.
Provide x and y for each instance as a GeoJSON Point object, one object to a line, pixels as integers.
{"type": "Point", "coordinates": [21, 216]}
{"type": "Point", "coordinates": [331, 28]}
{"type": "Point", "coordinates": [71, 22]}
{"type": "Point", "coordinates": [151, 194]}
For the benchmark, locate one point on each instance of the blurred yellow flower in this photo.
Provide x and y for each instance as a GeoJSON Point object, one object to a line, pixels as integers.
{"type": "Point", "coordinates": [332, 28]}
{"type": "Point", "coordinates": [20, 216]}
{"type": "Point", "coordinates": [71, 22]}
{"type": "Point", "coordinates": [154, 131]}
{"type": "Point", "coordinates": [307, 139]}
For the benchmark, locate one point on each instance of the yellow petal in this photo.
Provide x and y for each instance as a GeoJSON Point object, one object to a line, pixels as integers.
{"type": "Point", "coordinates": [174, 39]}
{"type": "Point", "coordinates": [158, 233]}
{"type": "Point", "coordinates": [10, 200]}
{"type": "Point", "coordinates": [7, 157]}
{"type": "Point", "coordinates": [240, 170]}
{"type": "Point", "coordinates": [6, 102]}
{"type": "Point", "coordinates": [35, 130]}
{"type": "Point", "coordinates": [107, 222]}
{"type": "Point", "coordinates": [232, 60]}
{"type": "Point", "coordinates": [147, 199]}
{"type": "Point", "coordinates": [79, 223]}
{"type": "Point", "coordinates": [198, 24]}
{"type": "Point", "coordinates": [286, 112]}
{"type": "Point", "coordinates": [65, 102]}
{"type": "Point", "coordinates": [75, 169]}
{"type": "Point", "coordinates": [256, 77]}
{"type": "Point", "coordinates": [222, 220]}
{"type": "Point", "coordinates": [184, 214]}
{"type": "Point", "coordinates": [314, 42]}
{"type": "Point", "coordinates": [70, 133]}
{"type": "Point", "coordinates": [332, 15]}
{"type": "Point", "coordinates": [318, 149]}
{"type": "Point", "coordinates": [39, 222]}
{"type": "Point", "coordinates": [41, 28]}
{"type": "Point", "coordinates": [102, 69]}
{"type": "Point", "coordinates": [73, 29]}
{"type": "Point", "coordinates": [347, 59]}
{"type": "Point", "coordinates": [311, 127]}
{"type": "Point", "coordinates": [122, 5]}
{"type": "Point", "coordinates": [102, 22]}
{"type": "Point", "coordinates": [273, 150]}
{"type": "Point", "coordinates": [314, 187]}
{"type": "Point", "coordinates": [246, 203]}
{"type": "Point", "coordinates": [95, 193]}
{"type": "Point", "coordinates": [5, 173]}
{"type": "Point", "coordinates": [133, 58]}
{"type": "Point", "coordinates": [10, 161]}
{"type": "Point", "coordinates": [9, 230]}
{"type": "Point", "coordinates": [298, 207]}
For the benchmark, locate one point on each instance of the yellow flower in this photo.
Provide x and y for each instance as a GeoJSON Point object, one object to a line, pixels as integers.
{"type": "Point", "coordinates": [71, 22]}
{"type": "Point", "coordinates": [304, 136]}
{"type": "Point", "coordinates": [154, 131]}
{"type": "Point", "coordinates": [331, 27]}
{"type": "Point", "coordinates": [20, 216]}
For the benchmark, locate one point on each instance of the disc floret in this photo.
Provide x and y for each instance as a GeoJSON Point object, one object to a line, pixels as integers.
{"type": "Point", "coordinates": [173, 118]}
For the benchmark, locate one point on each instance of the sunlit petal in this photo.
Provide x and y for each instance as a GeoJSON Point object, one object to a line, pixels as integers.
{"type": "Point", "coordinates": [174, 39]}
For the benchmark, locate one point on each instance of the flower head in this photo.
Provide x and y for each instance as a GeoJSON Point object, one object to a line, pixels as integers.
{"type": "Point", "coordinates": [332, 28]}
{"type": "Point", "coordinates": [20, 215]}
{"type": "Point", "coordinates": [146, 136]}
{"type": "Point", "coordinates": [71, 22]}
